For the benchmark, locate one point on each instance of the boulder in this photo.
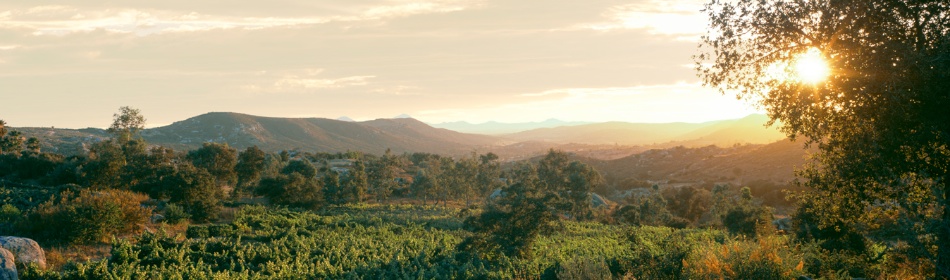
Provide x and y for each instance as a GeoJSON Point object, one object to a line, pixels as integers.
{"type": "Point", "coordinates": [24, 249]}
{"type": "Point", "coordinates": [7, 267]}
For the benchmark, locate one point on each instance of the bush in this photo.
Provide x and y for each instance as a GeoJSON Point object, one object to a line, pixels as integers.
{"type": "Point", "coordinates": [9, 213]}
{"type": "Point", "coordinates": [175, 214]}
{"type": "Point", "coordinates": [767, 258]}
{"type": "Point", "coordinates": [197, 232]}
{"type": "Point", "coordinates": [87, 218]}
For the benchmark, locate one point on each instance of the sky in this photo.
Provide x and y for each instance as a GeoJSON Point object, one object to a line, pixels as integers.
{"type": "Point", "coordinates": [72, 64]}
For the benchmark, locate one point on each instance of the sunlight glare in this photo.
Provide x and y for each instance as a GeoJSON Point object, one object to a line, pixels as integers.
{"type": "Point", "coordinates": [811, 68]}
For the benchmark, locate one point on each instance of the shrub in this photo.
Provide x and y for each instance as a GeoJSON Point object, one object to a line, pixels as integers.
{"type": "Point", "coordinates": [767, 258]}
{"type": "Point", "coordinates": [584, 268]}
{"type": "Point", "coordinates": [197, 232]}
{"type": "Point", "coordinates": [9, 213]}
{"type": "Point", "coordinates": [174, 214]}
{"type": "Point", "coordinates": [86, 218]}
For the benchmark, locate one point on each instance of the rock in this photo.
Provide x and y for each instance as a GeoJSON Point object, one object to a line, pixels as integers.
{"type": "Point", "coordinates": [24, 249]}
{"type": "Point", "coordinates": [7, 267]}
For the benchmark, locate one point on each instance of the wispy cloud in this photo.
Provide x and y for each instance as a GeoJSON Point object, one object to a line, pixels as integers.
{"type": "Point", "coordinates": [680, 18]}
{"type": "Point", "coordinates": [61, 20]}
{"type": "Point", "coordinates": [296, 82]}
{"type": "Point", "coordinates": [688, 102]}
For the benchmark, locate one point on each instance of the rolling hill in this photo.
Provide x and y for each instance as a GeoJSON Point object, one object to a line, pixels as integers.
{"type": "Point", "coordinates": [750, 129]}
{"type": "Point", "coordinates": [273, 134]}
{"type": "Point", "coordinates": [601, 140]}
{"type": "Point", "coordinates": [495, 128]}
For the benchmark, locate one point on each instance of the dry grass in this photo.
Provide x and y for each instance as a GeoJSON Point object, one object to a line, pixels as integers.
{"type": "Point", "coordinates": [56, 257]}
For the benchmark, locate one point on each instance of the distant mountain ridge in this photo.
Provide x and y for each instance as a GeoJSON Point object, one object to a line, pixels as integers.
{"type": "Point", "coordinates": [273, 134]}
{"type": "Point", "coordinates": [493, 127]}
{"type": "Point", "coordinates": [315, 134]}
{"type": "Point", "coordinates": [750, 129]}
{"type": "Point", "coordinates": [609, 140]}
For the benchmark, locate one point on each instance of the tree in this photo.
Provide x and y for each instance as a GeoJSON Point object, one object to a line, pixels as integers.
{"type": "Point", "coordinates": [218, 159]}
{"type": "Point", "coordinates": [511, 225]}
{"type": "Point", "coordinates": [332, 189]}
{"type": "Point", "coordinates": [126, 124]}
{"type": "Point", "coordinates": [489, 173]}
{"type": "Point", "coordinates": [302, 167]}
{"type": "Point", "coordinates": [355, 182]}
{"type": "Point", "coordinates": [12, 143]}
{"type": "Point", "coordinates": [33, 145]}
{"type": "Point", "coordinates": [195, 189]}
{"type": "Point", "coordinates": [294, 189]}
{"type": "Point", "coordinates": [382, 174]}
{"type": "Point", "coordinates": [581, 179]}
{"type": "Point", "coordinates": [106, 163]}
{"type": "Point", "coordinates": [879, 119]}
{"type": "Point", "coordinates": [249, 167]}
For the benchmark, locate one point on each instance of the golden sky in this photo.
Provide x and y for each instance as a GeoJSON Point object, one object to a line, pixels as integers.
{"type": "Point", "coordinates": [73, 64]}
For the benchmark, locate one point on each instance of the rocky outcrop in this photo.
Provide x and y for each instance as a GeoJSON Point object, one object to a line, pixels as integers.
{"type": "Point", "coordinates": [7, 267]}
{"type": "Point", "coordinates": [25, 250]}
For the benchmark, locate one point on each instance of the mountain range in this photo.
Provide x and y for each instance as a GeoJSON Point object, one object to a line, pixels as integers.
{"type": "Point", "coordinates": [749, 129]}
{"type": "Point", "coordinates": [496, 128]}
{"type": "Point", "coordinates": [406, 134]}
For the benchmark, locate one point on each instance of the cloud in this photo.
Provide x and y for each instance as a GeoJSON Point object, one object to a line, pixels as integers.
{"type": "Point", "coordinates": [680, 18]}
{"type": "Point", "coordinates": [679, 102]}
{"type": "Point", "coordinates": [295, 82]}
{"type": "Point", "coordinates": [62, 20]}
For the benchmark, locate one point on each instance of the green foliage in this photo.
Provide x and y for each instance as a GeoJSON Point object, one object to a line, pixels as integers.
{"type": "Point", "coordinates": [302, 167]}
{"type": "Point", "coordinates": [766, 258]}
{"type": "Point", "coordinates": [9, 213]}
{"type": "Point", "coordinates": [85, 218]}
{"type": "Point", "coordinates": [382, 175]}
{"type": "Point", "coordinates": [249, 166]}
{"type": "Point", "coordinates": [512, 225]}
{"type": "Point", "coordinates": [293, 190]}
{"type": "Point", "coordinates": [194, 189]}
{"type": "Point", "coordinates": [355, 183]}
{"type": "Point", "coordinates": [375, 242]}
{"type": "Point", "coordinates": [218, 159]}
{"type": "Point", "coordinates": [879, 121]}
{"type": "Point", "coordinates": [689, 202]}
{"type": "Point", "coordinates": [648, 209]}
{"type": "Point", "coordinates": [105, 164]}
{"type": "Point", "coordinates": [175, 214]}
{"type": "Point", "coordinates": [126, 124]}
{"type": "Point", "coordinates": [333, 192]}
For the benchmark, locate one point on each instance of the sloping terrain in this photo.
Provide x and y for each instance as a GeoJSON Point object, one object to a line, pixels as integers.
{"type": "Point", "coordinates": [273, 134]}
{"type": "Point", "coordinates": [775, 162]}
{"type": "Point", "coordinates": [495, 128]}
{"type": "Point", "coordinates": [750, 129]}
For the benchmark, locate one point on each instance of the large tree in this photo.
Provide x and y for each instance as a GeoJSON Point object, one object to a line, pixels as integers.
{"type": "Point", "coordinates": [127, 123]}
{"type": "Point", "coordinates": [879, 118]}
{"type": "Point", "coordinates": [218, 159]}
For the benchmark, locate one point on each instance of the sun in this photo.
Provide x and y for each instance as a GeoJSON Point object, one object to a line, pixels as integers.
{"type": "Point", "coordinates": [810, 67]}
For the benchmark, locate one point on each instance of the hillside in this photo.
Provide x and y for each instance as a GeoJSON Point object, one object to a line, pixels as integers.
{"type": "Point", "coordinates": [495, 128]}
{"type": "Point", "coordinates": [273, 134]}
{"type": "Point", "coordinates": [774, 162]}
{"type": "Point", "coordinates": [750, 129]}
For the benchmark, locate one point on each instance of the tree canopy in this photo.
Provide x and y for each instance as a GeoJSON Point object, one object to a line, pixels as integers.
{"type": "Point", "coordinates": [127, 123]}
{"type": "Point", "coordinates": [879, 118]}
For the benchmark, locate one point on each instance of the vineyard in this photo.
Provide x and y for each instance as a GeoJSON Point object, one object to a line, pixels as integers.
{"type": "Point", "coordinates": [418, 242]}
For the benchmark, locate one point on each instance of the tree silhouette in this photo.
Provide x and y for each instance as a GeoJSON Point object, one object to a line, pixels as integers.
{"type": "Point", "coordinates": [879, 120]}
{"type": "Point", "coordinates": [126, 124]}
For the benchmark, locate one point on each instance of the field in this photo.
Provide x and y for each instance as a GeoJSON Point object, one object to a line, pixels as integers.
{"type": "Point", "coordinates": [385, 242]}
